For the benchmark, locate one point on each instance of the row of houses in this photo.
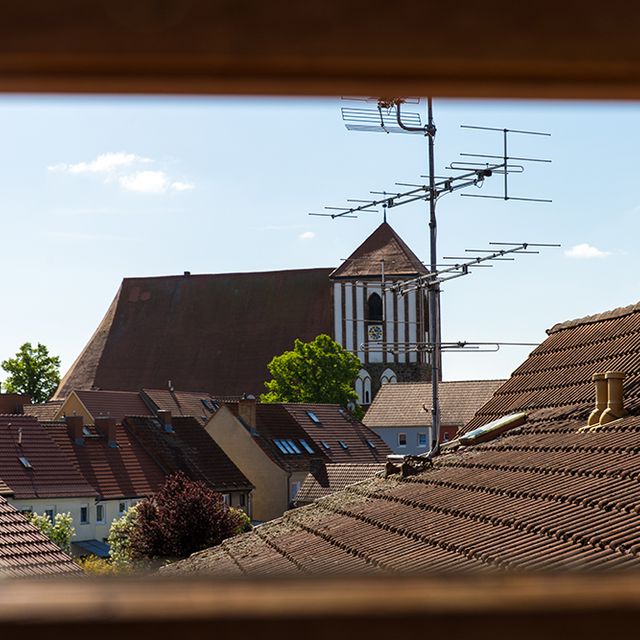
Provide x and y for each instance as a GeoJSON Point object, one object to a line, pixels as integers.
{"type": "Point", "coordinates": [98, 452]}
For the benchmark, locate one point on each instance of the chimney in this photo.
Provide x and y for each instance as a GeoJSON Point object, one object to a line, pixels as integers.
{"type": "Point", "coordinates": [164, 417]}
{"type": "Point", "coordinates": [247, 410]}
{"type": "Point", "coordinates": [74, 428]}
{"type": "Point", "coordinates": [615, 403]}
{"type": "Point", "coordinates": [106, 425]}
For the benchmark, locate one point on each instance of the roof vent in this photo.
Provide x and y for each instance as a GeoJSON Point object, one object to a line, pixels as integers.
{"type": "Point", "coordinates": [602, 397]}
{"type": "Point", "coordinates": [615, 403]}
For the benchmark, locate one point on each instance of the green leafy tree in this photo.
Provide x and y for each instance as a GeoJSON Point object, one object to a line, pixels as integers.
{"type": "Point", "coordinates": [33, 371]}
{"type": "Point", "coordinates": [119, 539]}
{"type": "Point", "coordinates": [60, 531]}
{"type": "Point", "coordinates": [317, 371]}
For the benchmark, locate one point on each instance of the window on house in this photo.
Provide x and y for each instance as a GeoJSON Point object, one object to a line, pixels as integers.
{"type": "Point", "coordinates": [84, 514]}
{"type": "Point", "coordinates": [325, 445]}
{"type": "Point", "coordinates": [26, 511]}
{"type": "Point", "coordinates": [371, 444]}
{"type": "Point", "coordinates": [422, 439]}
{"type": "Point", "coordinates": [402, 439]}
{"type": "Point", "coordinates": [226, 498]}
{"type": "Point", "coordinates": [25, 462]}
{"type": "Point", "coordinates": [446, 437]}
{"type": "Point", "coordinates": [50, 512]}
{"type": "Point", "coordinates": [314, 417]}
{"type": "Point", "coordinates": [295, 487]}
{"type": "Point", "coordinates": [86, 431]}
{"type": "Point", "coordinates": [343, 444]}
{"type": "Point", "coordinates": [294, 446]}
{"type": "Point", "coordinates": [100, 516]}
{"type": "Point", "coordinates": [242, 500]}
{"type": "Point", "coordinates": [281, 446]}
{"type": "Point", "coordinates": [122, 507]}
{"type": "Point", "coordinates": [306, 446]}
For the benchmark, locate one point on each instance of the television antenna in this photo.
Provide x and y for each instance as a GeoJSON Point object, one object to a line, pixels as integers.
{"type": "Point", "coordinates": [388, 116]}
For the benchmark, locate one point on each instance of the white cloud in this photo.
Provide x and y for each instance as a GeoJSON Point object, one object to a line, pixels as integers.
{"type": "Point", "coordinates": [145, 182]}
{"type": "Point", "coordinates": [104, 163]}
{"type": "Point", "coordinates": [123, 168]}
{"type": "Point", "coordinates": [182, 186]}
{"type": "Point", "coordinates": [585, 251]}
{"type": "Point", "coordinates": [307, 235]}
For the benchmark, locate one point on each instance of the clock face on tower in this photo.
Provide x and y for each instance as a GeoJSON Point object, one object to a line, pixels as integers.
{"type": "Point", "coordinates": [374, 332]}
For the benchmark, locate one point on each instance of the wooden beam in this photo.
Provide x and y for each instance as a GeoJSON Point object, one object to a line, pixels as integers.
{"type": "Point", "coordinates": [529, 607]}
{"type": "Point", "coordinates": [548, 49]}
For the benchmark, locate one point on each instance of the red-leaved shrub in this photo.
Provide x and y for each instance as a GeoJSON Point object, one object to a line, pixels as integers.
{"type": "Point", "coordinates": [185, 516]}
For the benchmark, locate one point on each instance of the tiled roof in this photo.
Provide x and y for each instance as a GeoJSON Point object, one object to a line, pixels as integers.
{"type": "Point", "coordinates": [292, 421]}
{"type": "Point", "coordinates": [543, 496]}
{"type": "Point", "coordinates": [24, 551]}
{"type": "Point", "coordinates": [327, 479]}
{"type": "Point", "coordinates": [383, 244]}
{"type": "Point", "coordinates": [183, 403]}
{"type": "Point", "coordinates": [176, 328]}
{"type": "Point", "coordinates": [116, 404]}
{"type": "Point", "coordinates": [51, 474]}
{"type": "Point", "coordinates": [189, 449]}
{"type": "Point", "coordinates": [125, 471]}
{"type": "Point", "coordinates": [408, 404]}
{"type": "Point", "coordinates": [555, 381]}
{"type": "Point", "coordinates": [45, 411]}
{"type": "Point", "coordinates": [335, 427]}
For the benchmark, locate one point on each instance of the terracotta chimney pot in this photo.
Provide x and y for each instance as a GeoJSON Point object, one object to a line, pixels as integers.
{"type": "Point", "coordinates": [615, 404]}
{"type": "Point", "coordinates": [602, 397]}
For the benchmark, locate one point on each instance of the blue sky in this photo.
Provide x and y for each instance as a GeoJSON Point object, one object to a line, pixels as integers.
{"type": "Point", "coordinates": [96, 189]}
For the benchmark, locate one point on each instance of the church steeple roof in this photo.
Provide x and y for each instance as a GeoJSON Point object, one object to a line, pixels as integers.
{"type": "Point", "coordinates": [383, 244]}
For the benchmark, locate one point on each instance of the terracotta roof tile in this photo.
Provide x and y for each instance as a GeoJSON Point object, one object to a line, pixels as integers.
{"type": "Point", "coordinates": [383, 244]}
{"type": "Point", "coordinates": [197, 404]}
{"type": "Point", "coordinates": [544, 496]}
{"type": "Point", "coordinates": [190, 449]}
{"type": "Point", "coordinates": [116, 404]}
{"type": "Point", "coordinates": [125, 471]}
{"type": "Point", "coordinates": [327, 479]}
{"type": "Point", "coordinates": [51, 474]}
{"type": "Point", "coordinates": [45, 411]}
{"type": "Point", "coordinates": [24, 551]}
{"type": "Point", "coordinates": [408, 404]}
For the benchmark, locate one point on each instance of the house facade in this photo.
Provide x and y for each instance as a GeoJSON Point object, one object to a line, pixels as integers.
{"type": "Point", "coordinates": [401, 413]}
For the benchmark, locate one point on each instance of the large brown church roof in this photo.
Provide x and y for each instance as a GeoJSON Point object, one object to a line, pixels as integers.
{"type": "Point", "coordinates": [213, 333]}
{"type": "Point", "coordinates": [384, 244]}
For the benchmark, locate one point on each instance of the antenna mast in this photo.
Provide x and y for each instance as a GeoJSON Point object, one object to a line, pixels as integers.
{"type": "Point", "coordinates": [473, 174]}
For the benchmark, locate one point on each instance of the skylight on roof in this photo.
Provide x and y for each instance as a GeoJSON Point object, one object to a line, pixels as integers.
{"type": "Point", "coordinates": [343, 444]}
{"type": "Point", "coordinates": [371, 444]}
{"type": "Point", "coordinates": [85, 431]}
{"type": "Point", "coordinates": [314, 417]}
{"type": "Point", "coordinates": [281, 446]}
{"type": "Point", "coordinates": [306, 445]}
{"type": "Point", "coordinates": [294, 446]}
{"type": "Point", "coordinates": [25, 462]}
{"type": "Point", "coordinates": [325, 444]}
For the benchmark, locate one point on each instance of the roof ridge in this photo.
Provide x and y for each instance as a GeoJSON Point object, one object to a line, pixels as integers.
{"type": "Point", "coordinates": [225, 273]}
{"type": "Point", "coordinates": [611, 314]}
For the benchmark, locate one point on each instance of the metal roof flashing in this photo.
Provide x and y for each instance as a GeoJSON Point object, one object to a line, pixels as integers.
{"type": "Point", "coordinates": [493, 429]}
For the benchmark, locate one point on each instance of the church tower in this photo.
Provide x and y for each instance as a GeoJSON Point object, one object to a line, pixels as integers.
{"type": "Point", "coordinates": [378, 325]}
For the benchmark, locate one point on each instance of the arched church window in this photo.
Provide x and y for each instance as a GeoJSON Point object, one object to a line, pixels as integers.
{"type": "Point", "coordinates": [388, 375]}
{"type": "Point", "coordinates": [374, 308]}
{"type": "Point", "coordinates": [363, 387]}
